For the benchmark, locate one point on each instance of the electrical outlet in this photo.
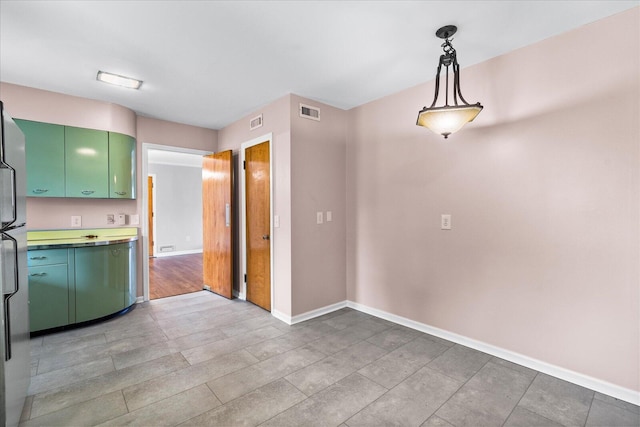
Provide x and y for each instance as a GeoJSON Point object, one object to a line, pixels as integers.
{"type": "Point", "coordinates": [121, 219]}
{"type": "Point", "coordinates": [445, 222]}
{"type": "Point", "coordinates": [319, 218]}
{"type": "Point", "coordinates": [76, 221]}
{"type": "Point", "coordinates": [110, 219]}
{"type": "Point", "coordinates": [329, 216]}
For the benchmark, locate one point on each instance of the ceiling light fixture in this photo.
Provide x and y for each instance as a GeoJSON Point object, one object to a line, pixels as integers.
{"type": "Point", "coordinates": [448, 119]}
{"type": "Point", "coordinates": [117, 80]}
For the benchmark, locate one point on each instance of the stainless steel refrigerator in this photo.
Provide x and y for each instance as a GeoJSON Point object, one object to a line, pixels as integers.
{"type": "Point", "coordinates": [15, 359]}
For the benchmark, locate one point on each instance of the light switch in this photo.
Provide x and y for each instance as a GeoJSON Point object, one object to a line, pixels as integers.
{"type": "Point", "coordinates": [76, 221]}
{"type": "Point", "coordinates": [135, 219]}
{"type": "Point", "coordinates": [445, 222]}
{"type": "Point", "coordinates": [319, 218]}
{"type": "Point", "coordinates": [111, 219]}
{"type": "Point", "coordinates": [329, 216]}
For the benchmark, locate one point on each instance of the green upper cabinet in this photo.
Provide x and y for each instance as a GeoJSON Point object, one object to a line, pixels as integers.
{"type": "Point", "coordinates": [122, 166]}
{"type": "Point", "coordinates": [86, 163]}
{"type": "Point", "coordinates": [45, 158]}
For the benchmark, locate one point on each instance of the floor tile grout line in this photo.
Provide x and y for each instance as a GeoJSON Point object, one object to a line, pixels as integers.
{"type": "Point", "coordinates": [457, 390]}
{"type": "Point", "coordinates": [522, 397]}
{"type": "Point", "coordinates": [593, 396]}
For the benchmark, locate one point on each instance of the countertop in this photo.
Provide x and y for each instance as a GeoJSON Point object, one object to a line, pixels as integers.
{"type": "Point", "coordinates": [77, 238]}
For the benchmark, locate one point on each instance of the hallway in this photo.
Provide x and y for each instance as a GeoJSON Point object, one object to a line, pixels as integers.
{"type": "Point", "coordinates": [175, 275]}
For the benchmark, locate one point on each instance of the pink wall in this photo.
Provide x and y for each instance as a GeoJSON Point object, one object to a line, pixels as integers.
{"type": "Point", "coordinates": [276, 121]}
{"type": "Point", "coordinates": [44, 106]}
{"type": "Point", "coordinates": [309, 176]}
{"type": "Point", "coordinates": [318, 168]}
{"type": "Point", "coordinates": [543, 189]}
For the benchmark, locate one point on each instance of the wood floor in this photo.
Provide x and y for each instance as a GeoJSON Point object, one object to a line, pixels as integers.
{"type": "Point", "coordinates": [175, 275]}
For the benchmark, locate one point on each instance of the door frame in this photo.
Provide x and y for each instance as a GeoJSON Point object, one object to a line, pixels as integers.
{"type": "Point", "coordinates": [153, 220]}
{"type": "Point", "coordinates": [243, 215]}
{"type": "Point", "coordinates": [145, 210]}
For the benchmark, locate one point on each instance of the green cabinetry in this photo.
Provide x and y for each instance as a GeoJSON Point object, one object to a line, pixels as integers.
{"type": "Point", "coordinates": [122, 166]}
{"type": "Point", "coordinates": [67, 161]}
{"type": "Point", "coordinates": [45, 158]}
{"type": "Point", "coordinates": [104, 276]}
{"type": "Point", "coordinates": [51, 298]}
{"type": "Point", "coordinates": [75, 285]}
{"type": "Point", "coordinates": [86, 163]}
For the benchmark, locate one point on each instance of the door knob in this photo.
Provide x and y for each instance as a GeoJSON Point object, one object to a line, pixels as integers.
{"type": "Point", "coordinates": [265, 237]}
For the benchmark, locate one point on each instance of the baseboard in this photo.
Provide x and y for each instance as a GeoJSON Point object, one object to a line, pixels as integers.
{"type": "Point", "coordinates": [239, 295]}
{"type": "Point", "coordinates": [139, 300]}
{"type": "Point", "coordinates": [603, 387]}
{"type": "Point", "coordinates": [175, 253]}
{"type": "Point", "coordinates": [289, 320]}
{"type": "Point", "coordinates": [281, 316]}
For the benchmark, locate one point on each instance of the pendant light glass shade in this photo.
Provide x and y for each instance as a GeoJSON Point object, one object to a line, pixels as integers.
{"type": "Point", "coordinates": [447, 119]}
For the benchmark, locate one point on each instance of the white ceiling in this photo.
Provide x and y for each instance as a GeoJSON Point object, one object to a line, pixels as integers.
{"type": "Point", "coordinates": [209, 63]}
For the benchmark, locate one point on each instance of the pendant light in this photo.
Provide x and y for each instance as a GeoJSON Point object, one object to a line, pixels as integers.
{"type": "Point", "coordinates": [448, 119]}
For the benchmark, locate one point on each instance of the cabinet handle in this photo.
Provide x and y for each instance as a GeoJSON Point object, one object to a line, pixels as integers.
{"type": "Point", "coordinates": [38, 257]}
{"type": "Point", "coordinates": [37, 274]}
{"type": "Point", "coordinates": [121, 193]}
{"type": "Point", "coordinates": [40, 190]}
{"type": "Point", "coordinates": [88, 192]}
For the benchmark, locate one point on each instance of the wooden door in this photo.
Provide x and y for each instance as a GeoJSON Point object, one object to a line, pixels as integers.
{"type": "Point", "coordinates": [217, 218]}
{"type": "Point", "coordinates": [151, 213]}
{"type": "Point", "coordinates": [258, 214]}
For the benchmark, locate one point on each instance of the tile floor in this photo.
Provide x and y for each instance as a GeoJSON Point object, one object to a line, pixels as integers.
{"type": "Point", "coordinates": [199, 359]}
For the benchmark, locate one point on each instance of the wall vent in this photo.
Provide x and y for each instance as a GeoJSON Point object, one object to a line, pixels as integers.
{"type": "Point", "coordinates": [255, 123]}
{"type": "Point", "coordinates": [309, 112]}
{"type": "Point", "coordinates": [167, 248]}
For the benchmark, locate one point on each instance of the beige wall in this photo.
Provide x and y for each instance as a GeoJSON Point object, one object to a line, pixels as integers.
{"type": "Point", "coordinates": [543, 189]}
{"type": "Point", "coordinates": [39, 105]}
{"type": "Point", "coordinates": [318, 168]}
{"type": "Point", "coordinates": [275, 118]}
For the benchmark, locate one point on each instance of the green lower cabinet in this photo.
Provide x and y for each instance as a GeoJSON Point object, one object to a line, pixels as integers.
{"type": "Point", "coordinates": [68, 286]}
{"type": "Point", "coordinates": [50, 292]}
{"type": "Point", "coordinates": [48, 297]}
{"type": "Point", "coordinates": [104, 279]}
{"type": "Point", "coordinates": [131, 274]}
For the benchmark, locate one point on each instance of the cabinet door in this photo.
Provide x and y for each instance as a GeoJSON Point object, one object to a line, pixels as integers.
{"type": "Point", "coordinates": [86, 163]}
{"type": "Point", "coordinates": [99, 281]}
{"type": "Point", "coordinates": [45, 158]}
{"type": "Point", "coordinates": [122, 166]}
{"type": "Point", "coordinates": [130, 274]}
{"type": "Point", "coordinates": [48, 296]}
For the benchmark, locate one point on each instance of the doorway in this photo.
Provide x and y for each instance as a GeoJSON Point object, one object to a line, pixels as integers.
{"type": "Point", "coordinates": [257, 229]}
{"type": "Point", "coordinates": [176, 233]}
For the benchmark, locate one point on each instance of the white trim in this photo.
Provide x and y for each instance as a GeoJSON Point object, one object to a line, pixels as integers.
{"type": "Point", "coordinates": [139, 300]}
{"type": "Point", "coordinates": [174, 253]}
{"type": "Point", "coordinates": [318, 312]}
{"type": "Point", "coordinates": [145, 210]}
{"type": "Point", "coordinates": [146, 203]}
{"type": "Point", "coordinates": [604, 387]}
{"type": "Point", "coordinates": [239, 295]}
{"type": "Point", "coordinates": [281, 316]}
{"type": "Point", "coordinates": [243, 215]}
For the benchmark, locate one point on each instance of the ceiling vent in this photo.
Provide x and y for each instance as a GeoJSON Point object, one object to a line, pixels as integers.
{"type": "Point", "coordinates": [309, 112]}
{"type": "Point", "coordinates": [255, 123]}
